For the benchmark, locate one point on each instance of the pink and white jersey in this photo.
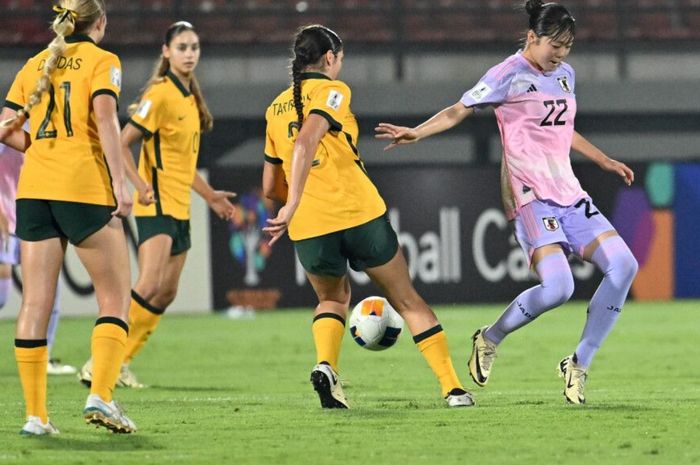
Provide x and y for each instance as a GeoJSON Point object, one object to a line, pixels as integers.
{"type": "Point", "coordinates": [535, 113]}
{"type": "Point", "coordinates": [10, 165]}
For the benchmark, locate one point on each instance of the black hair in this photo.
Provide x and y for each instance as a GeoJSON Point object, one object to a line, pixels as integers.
{"type": "Point", "coordinates": [550, 20]}
{"type": "Point", "coordinates": [310, 44]}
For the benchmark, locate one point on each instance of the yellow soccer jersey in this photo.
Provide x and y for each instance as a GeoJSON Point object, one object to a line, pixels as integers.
{"type": "Point", "coordinates": [338, 193]}
{"type": "Point", "coordinates": [169, 120]}
{"type": "Point", "coordinates": [65, 160]}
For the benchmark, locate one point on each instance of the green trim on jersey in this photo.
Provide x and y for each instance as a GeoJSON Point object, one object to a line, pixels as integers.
{"type": "Point", "coordinates": [178, 84]}
{"type": "Point", "coordinates": [273, 160]}
{"type": "Point", "coordinates": [335, 126]}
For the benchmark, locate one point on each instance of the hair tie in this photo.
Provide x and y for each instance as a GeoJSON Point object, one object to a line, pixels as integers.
{"type": "Point", "coordinates": [64, 13]}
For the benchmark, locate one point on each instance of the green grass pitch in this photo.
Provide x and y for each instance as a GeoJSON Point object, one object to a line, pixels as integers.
{"type": "Point", "coordinates": [226, 391]}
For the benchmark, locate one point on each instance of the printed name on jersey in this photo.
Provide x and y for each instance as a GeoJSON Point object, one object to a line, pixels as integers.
{"type": "Point", "coordinates": [116, 76]}
{"type": "Point", "coordinates": [564, 84]}
{"type": "Point", "coordinates": [334, 99]}
{"type": "Point", "coordinates": [144, 108]}
{"type": "Point", "coordinates": [550, 223]}
{"type": "Point", "coordinates": [480, 91]}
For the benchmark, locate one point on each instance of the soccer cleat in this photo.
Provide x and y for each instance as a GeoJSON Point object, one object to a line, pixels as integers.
{"type": "Point", "coordinates": [34, 427]}
{"type": "Point", "coordinates": [85, 373]}
{"type": "Point", "coordinates": [327, 385]}
{"type": "Point", "coordinates": [482, 357]}
{"type": "Point", "coordinates": [55, 367]}
{"type": "Point", "coordinates": [107, 414]}
{"type": "Point", "coordinates": [128, 379]}
{"type": "Point", "coordinates": [460, 398]}
{"type": "Point", "coordinates": [575, 377]}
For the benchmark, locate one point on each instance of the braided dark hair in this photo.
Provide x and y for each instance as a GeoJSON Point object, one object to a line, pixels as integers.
{"type": "Point", "coordinates": [310, 44]}
{"type": "Point", "coordinates": [551, 20]}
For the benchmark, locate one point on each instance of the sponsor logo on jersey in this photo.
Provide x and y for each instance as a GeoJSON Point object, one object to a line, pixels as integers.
{"type": "Point", "coordinates": [480, 91]}
{"type": "Point", "coordinates": [144, 108]}
{"type": "Point", "coordinates": [116, 76]}
{"type": "Point", "coordinates": [564, 83]}
{"type": "Point", "coordinates": [334, 99]}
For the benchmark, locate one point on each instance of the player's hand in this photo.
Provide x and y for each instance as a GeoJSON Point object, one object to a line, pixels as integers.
{"type": "Point", "coordinates": [622, 170]}
{"type": "Point", "coordinates": [278, 225]}
{"type": "Point", "coordinates": [146, 194]}
{"type": "Point", "coordinates": [124, 202]}
{"type": "Point", "coordinates": [220, 204]}
{"type": "Point", "coordinates": [399, 135]}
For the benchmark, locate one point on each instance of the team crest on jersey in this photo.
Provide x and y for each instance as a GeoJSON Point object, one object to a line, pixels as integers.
{"type": "Point", "coordinates": [116, 77]}
{"type": "Point", "coordinates": [480, 91]}
{"type": "Point", "coordinates": [334, 99]}
{"type": "Point", "coordinates": [564, 84]}
{"type": "Point", "coordinates": [550, 223]}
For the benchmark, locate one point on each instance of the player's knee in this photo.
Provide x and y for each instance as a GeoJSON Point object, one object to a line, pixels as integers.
{"type": "Point", "coordinates": [559, 289]}
{"type": "Point", "coordinates": [623, 268]}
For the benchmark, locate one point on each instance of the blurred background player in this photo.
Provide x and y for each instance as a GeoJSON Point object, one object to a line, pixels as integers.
{"type": "Point", "coordinates": [72, 187]}
{"type": "Point", "coordinates": [335, 214]}
{"type": "Point", "coordinates": [533, 95]}
{"type": "Point", "coordinates": [10, 165]}
{"type": "Point", "coordinates": [170, 117]}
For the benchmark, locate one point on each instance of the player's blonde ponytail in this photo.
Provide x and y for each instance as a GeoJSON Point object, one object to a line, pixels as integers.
{"type": "Point", "coordinates": [72, 16]}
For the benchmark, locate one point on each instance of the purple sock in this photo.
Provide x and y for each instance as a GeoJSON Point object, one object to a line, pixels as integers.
{"type": "Point", "coordinates": [557, 286]}
{"type": "Point", "coordinates": [5, 287]}
{"type": "Point", "coordinates": [53, 321]}
{"type": "Point", "coordinates": [619, 268]}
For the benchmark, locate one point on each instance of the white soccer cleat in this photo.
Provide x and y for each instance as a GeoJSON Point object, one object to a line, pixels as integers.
{"type": "Point", "coordinates": [34, 427]}
{"type": "Point", "coordinates": [482, 357]}
{"type": "Point", "coordinates": [107, 414]}
{"type": "Point", "coordinates": [85, 373]}
{"type": "Point", "coordinates": [575, 378]}
{"type": "Point", "coordinates": [127, 378]}
{"type": "Point", "coordinates": [55, 367]}
{"type": "Point", "coordinates": [327, 384]}
{"type": "Point", "coordinates": [460, 398]}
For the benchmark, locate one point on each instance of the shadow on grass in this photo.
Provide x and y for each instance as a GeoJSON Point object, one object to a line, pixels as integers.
{"type": "Point", "coordinates": [108, 443]}
{"type": "Point", "coordinates": [159, 387]}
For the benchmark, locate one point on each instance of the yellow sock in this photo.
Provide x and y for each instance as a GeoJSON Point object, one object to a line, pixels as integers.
{"type": "Point", "coordinates": [143, 320]}
{"type": "Point", "coordinates": [32, 359]}
{"type": "Point", "coordinates": [433, 345]}
{"type": "Point", "coordinates": [328, 330]}
{"type": "Point", "coordinates": [108, 343]}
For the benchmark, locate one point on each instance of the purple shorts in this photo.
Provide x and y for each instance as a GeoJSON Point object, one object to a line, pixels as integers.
{"type": "Point", "coordinates": [9, 250]}
{"type": "Point", "coordinates": [542, 222]}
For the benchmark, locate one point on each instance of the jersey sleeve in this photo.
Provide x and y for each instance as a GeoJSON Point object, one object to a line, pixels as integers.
{"type": "Point", "coordinates": [270, 151]}
{"type": "Point", "coordinates": [16, 96]}
{"type": "Point", "coordinates": [491, 89]}
{"type": "Point", "coordinates": [331, 101]}
{"type": "Point", "coordinates": [107, 78]}
{"type": "Point", "coordinates": [149, 115]}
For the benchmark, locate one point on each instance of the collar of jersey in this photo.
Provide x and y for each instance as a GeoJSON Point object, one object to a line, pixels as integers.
{"type": "Point", "coordinates": [78, 38]}
{"type": "Point", "coordinates": [178, 84]}
{"type": "Point", "coordinates": [315, 76]}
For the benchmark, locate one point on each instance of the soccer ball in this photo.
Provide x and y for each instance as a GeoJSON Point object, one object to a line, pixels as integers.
{"type": "Point", "coordinates": [374, 324]}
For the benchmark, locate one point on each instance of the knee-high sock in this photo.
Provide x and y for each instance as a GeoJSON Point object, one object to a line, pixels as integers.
{"type": "Point", "coordinates": [328, 330]}
{"type": "Point", "coordinates": [5, 286]}
{"type": "Point", "coordinates": [32, 358]}
{"type": "Point", "coordinates": [557, 286]}
{"type": "Point", "coordinates": [619, 268]}
{"type": "Point", "coordinates": [143, 320]}
{"type": "Point", "coordinates": [108, 343]}
{"type": "Point", "coordinates": [433, 345]}
{"type": "Point", "coordinates": [53, 321]}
